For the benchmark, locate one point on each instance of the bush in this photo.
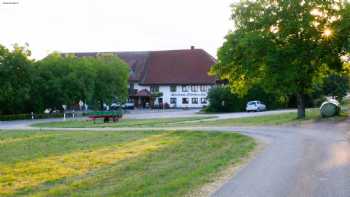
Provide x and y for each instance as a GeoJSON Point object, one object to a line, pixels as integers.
{"type": "Point", "coordinates": [28, 116]}
{"type": "Point", "coordinates": [221, 99]}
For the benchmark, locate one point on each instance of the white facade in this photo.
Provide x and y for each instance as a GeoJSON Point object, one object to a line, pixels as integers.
{"type": "Point", "coordinates": [183, 96]}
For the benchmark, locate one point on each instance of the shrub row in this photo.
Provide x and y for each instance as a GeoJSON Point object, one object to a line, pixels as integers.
{"type": "Point", "coordinates": [221, 99]}
{"type": "Point", "coordinates": [29, 116]}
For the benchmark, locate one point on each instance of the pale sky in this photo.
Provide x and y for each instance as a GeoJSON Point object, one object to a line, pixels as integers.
{"type": "Point", "coordinates": [114, 25]}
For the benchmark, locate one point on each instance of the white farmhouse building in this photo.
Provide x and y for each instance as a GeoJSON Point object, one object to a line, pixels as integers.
{"type": "Point", "coordinates": [174, 78]}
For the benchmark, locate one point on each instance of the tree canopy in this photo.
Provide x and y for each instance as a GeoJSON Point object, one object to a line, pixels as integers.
{"type": "Point", "coordinates": [286, 46]}
{"type": "Point", "coordinates": [33, 86]}
{"type": "Point", "coordinates": [62, 80]}
{"type": "Point", "coordinates": [336, 85]}
{"type": "Point", "coordinates": [15, 79]}
{"type": "Point", "coordinates": [112, 79]}
{"type": "Point", "coordinates": [68, 79]}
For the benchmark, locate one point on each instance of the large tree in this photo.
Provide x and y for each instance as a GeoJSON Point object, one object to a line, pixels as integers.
{"type": "Point", "coordinates": [60, 80]}
{"type": "Point", "coordinates": [111, 82]}
{"type": "Point", "coordinates": [286, 46]}
{"type": "Point", "coordinates": [15, 79]}
{"type": "Point", "coordinates": [336, 85]}
{"type": "Point", "coordinates": [66, 79]}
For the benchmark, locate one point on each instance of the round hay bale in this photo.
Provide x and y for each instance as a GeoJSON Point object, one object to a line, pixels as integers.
{"type": "Point", "coordinates": [330, 108]}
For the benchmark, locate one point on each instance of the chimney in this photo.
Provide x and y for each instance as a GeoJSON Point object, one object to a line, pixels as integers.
{"type": "Point", "coordinates": [192, 47]}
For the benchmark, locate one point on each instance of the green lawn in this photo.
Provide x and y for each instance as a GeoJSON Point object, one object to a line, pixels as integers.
{"type": "Point", "coordinates": [312, 114]}
{"type": "Point", "coordinates": [276, 119]}
{"type": "Point", "coordinates": [123, 163]}
{"type": "Point", "coordinates": [122, 123]}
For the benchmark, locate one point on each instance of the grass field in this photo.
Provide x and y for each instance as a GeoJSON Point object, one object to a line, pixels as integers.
{"type": "Point", "coordinates": [137, 163]}
{"type": "Point", "coordinates": [276, 119]}
{"type": "Point", "coordinates": [122, 123]}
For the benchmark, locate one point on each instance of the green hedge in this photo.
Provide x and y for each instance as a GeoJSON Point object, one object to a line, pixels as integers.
{"type": "Point", "coordinates": [221, 99]}
{"type": "Point", "coordinates": [101, 113]}
{"type": "Point", "coordinates": [28, 116]}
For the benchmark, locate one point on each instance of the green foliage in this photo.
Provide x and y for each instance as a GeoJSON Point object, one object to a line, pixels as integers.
{"type": "Point", "coordinates": [67, 80]}
{"type": "Point", "coordinates": [221, 99]}
{"type": "Point", "coordinates": [286, 46]}
{"type": "Point", "coordinates": [111, 80]}
{"type": "Point", "coordinates": [15, 79]}
{"type": "Point", "coordinates": [62, 80]}
{"type": "Point", "coordinates": [28, 86]}
{"type": "Point", "coordinates": [157, 94]}
{"type": "Point", "coordinates": [336, 85]}
{"type": "Point", "coordinates": [28, 116]}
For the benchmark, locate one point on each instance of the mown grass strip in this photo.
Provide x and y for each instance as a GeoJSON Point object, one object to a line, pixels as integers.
{"type": "Point", "coordinates": [32, 173]}
{"type": "Point", "coordinates": [122, 123]}
{"type": "Point", "coordinates": [181, 162]}
{"type": "Point", "coordinates": [275, 119]}
{"type": "Point", "coordinates": [23, 139]}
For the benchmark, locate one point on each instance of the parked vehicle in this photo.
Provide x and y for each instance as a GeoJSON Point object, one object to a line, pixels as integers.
{"type": "Point", "coordinates": [129, 105]}
{"type": "Point", "coordinates": [255, 106]}
{"type": "Point", "coordinates": [115, 106]}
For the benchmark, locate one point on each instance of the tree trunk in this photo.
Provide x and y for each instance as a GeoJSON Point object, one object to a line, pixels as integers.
{"type": "Point", "coordinates": [301, 105]}
{"type": "Point", "coordinates": [101, 105]}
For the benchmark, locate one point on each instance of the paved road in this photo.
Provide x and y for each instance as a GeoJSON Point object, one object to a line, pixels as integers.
{"type": "Point", "coordinates": [24, 124]}
{"type": "Point", "coordinates": [144, 114]}
{"type": "Point", "coordinates": [300, 161]}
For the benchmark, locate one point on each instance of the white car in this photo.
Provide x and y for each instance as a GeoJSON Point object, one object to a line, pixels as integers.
{"type": "Point", "coordinates": [255, 106]}
{"type": "Point", "coordinates": [129, 105]}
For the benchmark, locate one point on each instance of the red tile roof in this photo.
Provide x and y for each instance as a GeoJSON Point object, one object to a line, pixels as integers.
{"type": "Point", "coordinates": [181, 67]}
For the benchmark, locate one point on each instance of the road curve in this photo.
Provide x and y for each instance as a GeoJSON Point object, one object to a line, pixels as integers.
{"type": "Point", "coordinates": [312, 160]}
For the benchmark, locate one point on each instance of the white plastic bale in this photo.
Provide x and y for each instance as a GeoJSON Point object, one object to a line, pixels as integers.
{"type": "Point", "coordinates": [330, 108]}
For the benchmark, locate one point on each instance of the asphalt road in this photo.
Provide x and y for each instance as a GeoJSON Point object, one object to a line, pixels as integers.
{"type": "Point", "coordinates": [312, 160]}
{"type": "Point", "coordinates": [146, 114]}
